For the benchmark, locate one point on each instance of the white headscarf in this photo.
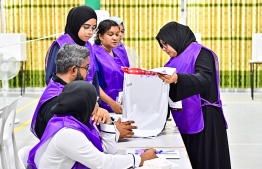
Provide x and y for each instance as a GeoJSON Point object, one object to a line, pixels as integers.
{"type": "Point", "coordinates": [117, 20]}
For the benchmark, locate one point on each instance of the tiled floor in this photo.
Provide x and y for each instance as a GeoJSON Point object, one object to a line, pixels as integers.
{"type": "Point", "coordinates": [244, 117]}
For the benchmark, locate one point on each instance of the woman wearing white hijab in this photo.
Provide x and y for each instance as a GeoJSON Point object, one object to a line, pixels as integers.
{"type": "Point", "coordinates": [120, 50]}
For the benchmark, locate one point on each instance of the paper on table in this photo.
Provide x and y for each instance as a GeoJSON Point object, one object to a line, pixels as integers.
{"type": "Point", "coordinates": [161, 153]}
{"type": "Point", "coordinates": [159, 163]}
{"type": "Point", "coordinates": [174, 165]}
{"type": "Point", "coordinates": [169, 154]}
{"type": "Point", "coordinates": [147, 133]}
{"type": "Point", "coordinates": [164, 70]}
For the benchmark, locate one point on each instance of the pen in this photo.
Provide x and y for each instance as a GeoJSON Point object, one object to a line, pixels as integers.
{"type": "Point", "coordinates": [166, 152]}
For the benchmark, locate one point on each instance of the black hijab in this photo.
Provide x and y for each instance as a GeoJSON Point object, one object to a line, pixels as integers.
{"type": "Point", "coordinates": [75, 19]}
{"type": "Point", "coordinates": [78, 99]}
{"type": "Point", "coordinates": [178, 36]}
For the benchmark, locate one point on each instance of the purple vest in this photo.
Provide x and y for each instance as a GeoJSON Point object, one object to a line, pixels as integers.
{"type": "Point", "coordinates": [55, 124]}
{"type": "Point", "coordinates": [52, 90]}
{"type": "Point", "coordinates": [190, 120]}
{"type": "Point", "coordinates": [67, 39]}
{"type": "Point", "coordinates": [113, 74]}
{"type": "Point", "coordinates": [120, 51]}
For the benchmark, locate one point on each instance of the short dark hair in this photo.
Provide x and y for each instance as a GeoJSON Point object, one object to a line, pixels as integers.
{"type": "Point", "coordinates": [103, 27]}
{"type": "Point", "coordinates": [69, 55]}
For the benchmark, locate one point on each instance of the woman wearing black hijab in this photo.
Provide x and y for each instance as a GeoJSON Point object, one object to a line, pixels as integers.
{"type": "Point", "coordinates": [80, 27]}
{"type": "Point", "coordinates": [201, 122]}
{"type": "Point", "coordinates": [71, 141]}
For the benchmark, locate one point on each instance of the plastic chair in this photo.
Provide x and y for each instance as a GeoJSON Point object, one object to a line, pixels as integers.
{"type": "Point", "coordinates": [9, 150]}
{"type": "Point", "coordinates": [2, 114]}
{"type": "Point", "coordinates": [23, 155]}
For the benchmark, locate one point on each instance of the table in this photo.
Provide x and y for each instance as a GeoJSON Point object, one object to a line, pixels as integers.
{"type": "Point", "coordinates": [169, 138]}
{"type": "Point", "coordinates": [252, 69]}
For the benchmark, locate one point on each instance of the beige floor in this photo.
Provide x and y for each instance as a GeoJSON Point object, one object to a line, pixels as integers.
{"type": "Point", "coordinates": [243, 115]}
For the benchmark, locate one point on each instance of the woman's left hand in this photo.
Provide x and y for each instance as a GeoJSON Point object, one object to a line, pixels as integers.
{"type": "Point", "coordinates": [101, 115]}
{"type": "Point", "coordinates": [168, 79]}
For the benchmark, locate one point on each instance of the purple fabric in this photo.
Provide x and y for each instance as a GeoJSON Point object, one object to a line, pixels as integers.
{"type": "Point", "coordinates": [48, 53]}
{"type": "Point", "coordinates": [120, 51]}
{"type": "Point", "coordinates": [190, 120]}
{"type": "Point", "coordinates": [59, 122]}
{"type": "Point", "coordinates": [113, 74]}
{"type": "Point", "coordinates": [67, 39]}
{"type": "Point", "coordinates": [52, 90]}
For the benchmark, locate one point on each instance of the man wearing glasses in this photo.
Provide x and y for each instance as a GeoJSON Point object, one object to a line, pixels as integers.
{"type": "Point", "coordinates": [72, 63]}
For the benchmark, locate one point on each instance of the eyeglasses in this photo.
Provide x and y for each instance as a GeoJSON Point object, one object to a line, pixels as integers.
{"type": "Point", "coordinates": [89, 29]}
{"type": "Point", "coordinates": [164, 44]}
{"type": "Point", "coordinates": [86, 68]}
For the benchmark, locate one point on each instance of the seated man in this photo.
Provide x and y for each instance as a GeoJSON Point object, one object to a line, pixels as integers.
{"type": "Point", "coordinates": [72, 64]}
{"type": "Point", "coordinates": [72, 141]}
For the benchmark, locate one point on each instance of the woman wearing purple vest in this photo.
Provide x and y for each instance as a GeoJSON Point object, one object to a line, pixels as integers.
{"type": "Point", "coordinates": [201, 122]}
{"type": "Point", "coordinates": [120, 50]}
{"type": "Point", "coordinates": [80, 27]}
{"type": "Point", "coordinates": [109, 63]}
{"type": "Point", "coordinates": [72, 141]}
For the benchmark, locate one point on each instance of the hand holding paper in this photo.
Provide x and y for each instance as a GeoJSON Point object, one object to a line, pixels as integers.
{"type": "Point", "coordinates": [169, 79]}
{"type": "Point", "coordinates": [164, 70]}
{"type": "Point", "coordinates": [168, 75]}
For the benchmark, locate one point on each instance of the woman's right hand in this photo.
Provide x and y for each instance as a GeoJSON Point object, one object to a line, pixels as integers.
{"type": "Point", "coordinates": [148, 155]}
{"type": "Point", "coordinates": [168, 79]}
{"type": "Point", "coordinates": [116, 107]}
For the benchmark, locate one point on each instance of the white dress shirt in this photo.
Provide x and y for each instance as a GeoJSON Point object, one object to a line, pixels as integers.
{"type": "Point", "coordinates": [68, 146]}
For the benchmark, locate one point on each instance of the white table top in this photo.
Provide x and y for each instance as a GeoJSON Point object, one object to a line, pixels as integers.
{"type": "Point", "coordinates": [170, 138]}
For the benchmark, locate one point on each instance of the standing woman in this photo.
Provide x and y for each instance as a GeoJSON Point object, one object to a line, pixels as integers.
{"type": "Point", "coordinates": [201, 123]}
{"type": "Point", "coordinates": [120, 50]}
{"type": "Point", "coordinates": [109, 63]}
{"type": "Point", "coordinates": [80, 27]}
